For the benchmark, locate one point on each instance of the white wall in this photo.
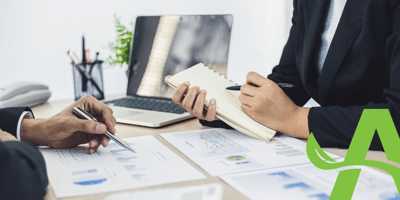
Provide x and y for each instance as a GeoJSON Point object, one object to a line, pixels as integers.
{"type": "Point", "coordinates": [36, 35]}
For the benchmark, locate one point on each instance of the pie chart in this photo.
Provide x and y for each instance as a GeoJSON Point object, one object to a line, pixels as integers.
{"type": "Point", "coordinates": [90, 180]}
{"type": "Point", "coordinates": [235, 158]}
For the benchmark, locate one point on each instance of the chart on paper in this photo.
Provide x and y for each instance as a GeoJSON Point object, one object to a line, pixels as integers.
{"type": "Point", "coordinates": [309, 183]}
{"type": "Point", "coordinates": [77, 155]}
{"type": "Point", "coordinates": [88, 177]}
{"type": "Point", "coordinates": [71, 171]}
{"type": "Point", "coordinates": [221, 151]}
{"type": "Point", "coordinates": [211, 143]}
{"type": "Point", "coordinates": [285, 149]}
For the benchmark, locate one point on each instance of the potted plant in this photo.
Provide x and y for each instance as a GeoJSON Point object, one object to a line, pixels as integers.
{"type": "Point", "coordinates": [122, 45]}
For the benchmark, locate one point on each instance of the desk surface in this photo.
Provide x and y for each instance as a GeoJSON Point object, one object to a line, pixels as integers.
{"type": "Point", "coordinates": [125, 131]}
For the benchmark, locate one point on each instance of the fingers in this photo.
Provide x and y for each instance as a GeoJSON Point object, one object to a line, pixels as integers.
{"type": "Point", "coordinates": [198, 108]}
{"type": "Point", "coordinates": [194, 101]}
{"type": "Point", "coordinates": [246, 108]}
{"type": "Point", "coordinates": [256, 79]}
{"type": "Point", "coordinates": [87, 126]}
{"type": "Point", "coordinates": [211, 111]}
{"type": "Point", "coordinates": [190, 98]}
{"type": "Point", "coordinates": [105, 140]}
{"type": "Point", "coordinates": [246, 100]}
{"type": "Point", "coordinates": [249, 90]}
{"type": "Point", "coordinates": [178, 95]}
{"type": "Point", "coordinates": [109, 120]}
{"type": "Point", "coordinates": [4, 137]}
{"type": "Point", "coordinates": [105, 113]}
{"type": "Point", "coordinates": [95, 143]}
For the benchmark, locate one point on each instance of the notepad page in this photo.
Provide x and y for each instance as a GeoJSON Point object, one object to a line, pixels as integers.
{"type": "Point", "coordinates": [215, 85]}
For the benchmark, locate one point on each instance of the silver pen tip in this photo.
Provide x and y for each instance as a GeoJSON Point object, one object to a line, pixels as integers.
{"type": "Point", "coordinates": [130, 148]}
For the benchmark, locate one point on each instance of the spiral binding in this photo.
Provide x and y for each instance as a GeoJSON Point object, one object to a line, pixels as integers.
{"type": "Point", "coordinates": [219, 73]}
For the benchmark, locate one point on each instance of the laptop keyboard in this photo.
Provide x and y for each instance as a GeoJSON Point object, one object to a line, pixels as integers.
{"type": "Point", "coordinates": [148, 104]}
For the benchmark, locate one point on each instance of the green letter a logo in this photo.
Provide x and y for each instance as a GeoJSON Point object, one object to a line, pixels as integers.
{"type": "Point", "coordinates": [371, 120]}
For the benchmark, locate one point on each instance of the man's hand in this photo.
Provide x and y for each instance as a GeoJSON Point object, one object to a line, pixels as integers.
{"type": "Point", "coordinates": [270, 106]}
{"type": "Point", "coordinates": [4, 137]}
{"type": "Point", "coordinates": [66, 130]}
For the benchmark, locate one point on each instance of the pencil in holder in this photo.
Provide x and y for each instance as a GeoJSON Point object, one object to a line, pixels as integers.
{"type": "Point", "coordinates": [88, 79]}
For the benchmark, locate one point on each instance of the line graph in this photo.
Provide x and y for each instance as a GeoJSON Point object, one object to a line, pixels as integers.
{"type": "Point", "coordinates": [211, 143]}
{"type": "Point", "coordinates": [80, 155]}
{"type": "Point", "coordinates": [214, 145]}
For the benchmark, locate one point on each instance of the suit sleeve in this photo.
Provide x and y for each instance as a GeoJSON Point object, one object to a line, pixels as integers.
{"type": "Point", "coordinates": [9, 118]}
{"type": "Point", "coordinates": [286, 71]}
{"type": "Point", "coordinates": [334, 126]}
{"type": "Point", "coordinates": [22, 171]}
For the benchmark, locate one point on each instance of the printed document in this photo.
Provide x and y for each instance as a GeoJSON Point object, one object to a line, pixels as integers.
{"type": "Point", "coordinates": [307, 182]}
{"type": "Point", "coordinates": [73, 172]}
{"type": "Point", "coordinates": [213, 191]}
{"type": "Point", "coordinates": [221, 151]}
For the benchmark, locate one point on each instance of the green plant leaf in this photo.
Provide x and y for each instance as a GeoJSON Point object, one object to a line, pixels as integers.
{"type": "Point", "coordinates": [122, 44]}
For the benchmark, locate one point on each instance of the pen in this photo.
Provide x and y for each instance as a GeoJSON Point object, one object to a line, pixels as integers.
{"type": "Point", "coordinates": [282, 85]}
{"type": "Point", "coordinates": [83, 114]}
{"type": "Point", "coordinates": [83, 51]}
{"type": "Point", "coordinates": [84, 79]}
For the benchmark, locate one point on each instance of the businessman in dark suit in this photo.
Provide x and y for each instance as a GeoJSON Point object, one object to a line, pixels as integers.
{"type": "Point", "coordinates": [22, 168]}
{"type": "Point", "coordinates": [344, 54]}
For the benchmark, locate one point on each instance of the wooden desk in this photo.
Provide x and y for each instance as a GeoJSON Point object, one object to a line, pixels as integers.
{"type": "Point", "coordinates": [125, 131]}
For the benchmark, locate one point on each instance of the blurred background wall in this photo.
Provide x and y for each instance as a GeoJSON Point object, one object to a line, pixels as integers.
{"type": "Point", "coordinates": [36, 35]}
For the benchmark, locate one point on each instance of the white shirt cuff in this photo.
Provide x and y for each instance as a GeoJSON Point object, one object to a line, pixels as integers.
{"type": "Point", "coordinates": [25, 115]}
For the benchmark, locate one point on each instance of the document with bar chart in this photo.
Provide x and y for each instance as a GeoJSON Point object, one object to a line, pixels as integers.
{"type": "Point", "coordinates": [306, 182]}
{"type": "Point", "coordinates": [73, 172]}
{"type": "Point", "coordinates": [221, 151]}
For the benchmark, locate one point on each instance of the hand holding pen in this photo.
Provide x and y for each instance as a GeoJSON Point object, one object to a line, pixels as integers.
{"type": "Point", "coordinates": [264, 101]}
{"type": "Point", "coordinates": [66, 130]}
{"type": "Point", "coordinates": [84, 115]}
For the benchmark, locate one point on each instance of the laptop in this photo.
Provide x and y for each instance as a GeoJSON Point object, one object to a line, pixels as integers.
{"type": "Point", "coordinates": [165, 45]}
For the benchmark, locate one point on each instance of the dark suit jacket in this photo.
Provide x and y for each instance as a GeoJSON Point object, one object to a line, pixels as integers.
{"type": "Point", "coordinates": [9, 118]}
{"type": "Point", "coordinates": [361, 70]}
{"type": "Point", "coordinates": [22, 168]}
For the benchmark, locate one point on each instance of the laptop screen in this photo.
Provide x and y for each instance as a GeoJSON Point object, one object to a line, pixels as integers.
{"type": "Point", "coordinates": [166, 45]}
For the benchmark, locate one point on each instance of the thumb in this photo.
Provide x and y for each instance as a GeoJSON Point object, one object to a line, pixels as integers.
{"type": "Point", "coordinates": [89, 126]}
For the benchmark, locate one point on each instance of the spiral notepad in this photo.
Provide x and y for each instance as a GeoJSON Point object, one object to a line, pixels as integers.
{"type": "Point", "coordinates": [228, 104]}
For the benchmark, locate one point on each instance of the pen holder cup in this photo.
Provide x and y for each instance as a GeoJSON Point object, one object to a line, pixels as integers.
{"type": "Point", "coordinates": [88, 79]}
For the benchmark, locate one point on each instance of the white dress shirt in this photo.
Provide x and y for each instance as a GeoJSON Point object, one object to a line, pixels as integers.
{"type": "Point", "coordinates": [24, 115]}
{"type": "Point", "coordinates": [332, 21]}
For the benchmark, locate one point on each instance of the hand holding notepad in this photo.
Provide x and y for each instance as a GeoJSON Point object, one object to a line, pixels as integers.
{"type": "Point", "coordinates": [228, 105]}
